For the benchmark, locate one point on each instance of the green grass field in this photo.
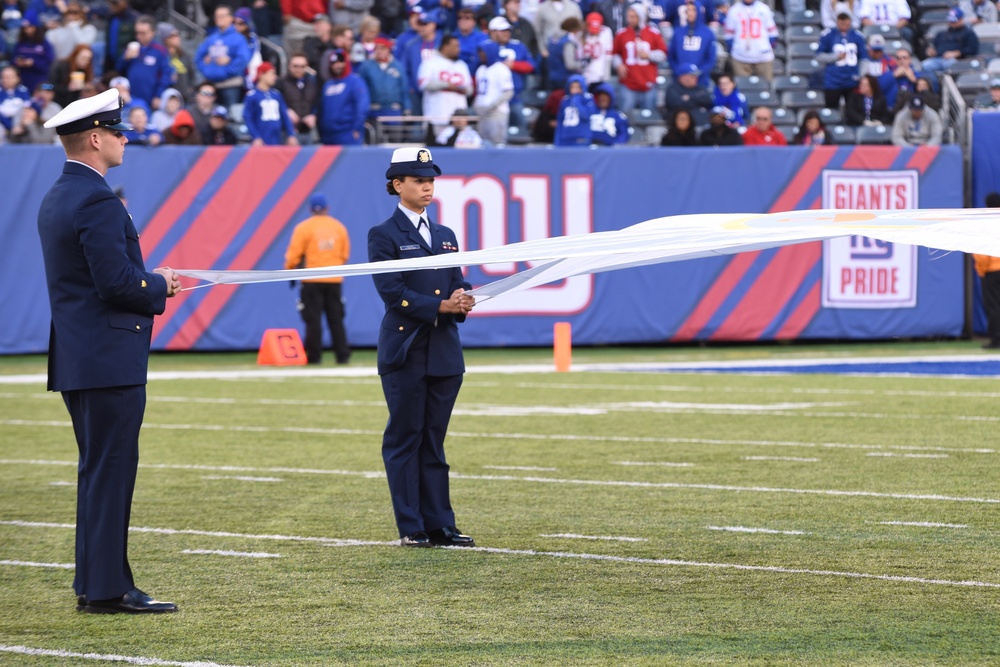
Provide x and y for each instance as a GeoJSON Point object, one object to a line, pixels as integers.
{"type": "Point", "coordinates": [623, 519]}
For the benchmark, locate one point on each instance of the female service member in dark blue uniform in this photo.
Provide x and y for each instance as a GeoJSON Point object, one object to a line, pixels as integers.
{"type": "Point", "coordinates": [419, 354]}
{"type": "Point", "coordinates": [103, 301]}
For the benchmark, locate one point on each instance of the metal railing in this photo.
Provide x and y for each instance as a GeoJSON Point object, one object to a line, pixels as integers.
{"type": "Point", "coordinates": [193, 30]}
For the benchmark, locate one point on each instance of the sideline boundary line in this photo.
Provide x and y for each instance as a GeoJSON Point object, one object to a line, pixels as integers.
{"type": "Point", "coordinates": [104, 657]}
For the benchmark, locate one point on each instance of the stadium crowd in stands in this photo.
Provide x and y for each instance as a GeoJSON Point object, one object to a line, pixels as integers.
{"type": "Point", "coordinates": [473, 73]}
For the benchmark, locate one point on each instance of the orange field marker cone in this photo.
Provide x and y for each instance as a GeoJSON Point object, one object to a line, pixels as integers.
{"type": "Point", "coordinates": [562, 346]}
{"type": "Point", "coordinates": [281, 347]}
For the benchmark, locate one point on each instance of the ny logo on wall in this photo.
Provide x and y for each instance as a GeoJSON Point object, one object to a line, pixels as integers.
{"type": "Point", "coordinates": [483, 213]}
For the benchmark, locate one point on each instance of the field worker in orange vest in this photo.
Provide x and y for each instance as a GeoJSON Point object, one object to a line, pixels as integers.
{"type": "Point", "coordinates": [988, 269]}
{"type": "Point", "coordinates": [321, 240]}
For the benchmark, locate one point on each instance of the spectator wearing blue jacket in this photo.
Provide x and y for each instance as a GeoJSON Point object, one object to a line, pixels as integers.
{"type": "Point", "coordinates": [265, 112]}
{"type": "Point", "coordinates": [147, 67]}
{"type": "Point", "coordinates": [501, 46]}
{"type": "Point", "coordinates": [951, 45]}
{"type": "Point", "coordinates": [423, 46]}
{"type": "Point", "coordinates": [386, 82]}
{"type": "Point", "coordinates": [694, 44]}
{"type": "Point", "coordinates": [608, 124]}
{"type": "Point", "coordinates": [841, 50]}
{"type": "Point", "coordinates": [343, 104]}
{"type": "Point", "coordinates": [223, 57]}
{"type": "Point", "coordinates": [728, 95]}
{"type": "Point", "coordinates": [469, 38]}
{"type": "Point", "coordinates": [32, 55]}
{"type": "Point", "coordinates": [575, 112]}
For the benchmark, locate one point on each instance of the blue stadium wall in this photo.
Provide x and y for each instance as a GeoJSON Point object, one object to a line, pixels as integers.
{"type": "Point", "coordinates": [234, 208]}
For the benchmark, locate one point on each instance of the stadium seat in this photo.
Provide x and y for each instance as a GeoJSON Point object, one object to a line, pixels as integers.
{"type": "Point", "coordinates": [828, 116]}
{"type": "Point", "coordinates": [987, 30]}
{"type": "Point", "coordinates": [981, 101]}
{"type": "Point", "coordinates": [644, 117]}
{"type": "Point", "coordinates": [236, 113]}
{"type": "Point", "coordinates": [752, 83]}
{"type": "Point", "coordinates": [802, 17]}
{"type": "Point", "coordinates": [887, 31]}
{"type": "Point", "coordinates": [529, 116]}
{"type": "Point", "coordinates": [842, 134]}
{"type": "Point", "coordinates": [779, 18]}
{"type": "Point", "coordinates": [973, 82]}
{"type": "Point", "coordinates": [994, 66]}
{"type": "Point", "coordinates": [761, 98]}
{"type": "Point", "coordinates": [535, 98]}
{"type": "Point", "coordinates": [779, 67]}
{"type": "Point", "coordinates": [801, 99]}
{"type": "Point", "coordinates": [879, 134]}
{"type": "Point", "coordinates": [793, 82]}
{"type": "Point", "coordinates": [965, 66]}
{"type": "Point", "coordinates": [802, 67]}
{"type": "Point", "coordinates": [788, 130]}
{"type": "Point", "coordinates": [802, 33]}
{"type": "Point", "coordinates": [893, 45]}
{"type": "Point", "coordinates": [927, 5]}
{"type": "Point", "coordinates": [802, 49]}
{"type": "Point", "coordinates": [782, 116]}
{"type": "Point", "coordinates": [933, 17]}
{"type": "Point", "coordinates": [518, 137]}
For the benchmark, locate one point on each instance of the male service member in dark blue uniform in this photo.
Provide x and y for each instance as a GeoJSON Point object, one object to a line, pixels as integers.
{"type": "Point", "coordinates": [103, 301]}
{"type": "Point", "coordinates": [419, 354]}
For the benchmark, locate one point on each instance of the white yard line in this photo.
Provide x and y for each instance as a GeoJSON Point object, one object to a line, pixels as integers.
{"type": "Point", "coordinates": [243, 478]}
{"type": "Point", "coordinates": [28, 563]}
{"type": "Point", "coordinates": [607, 538]}
{"type": "Point", "coordinates": [340, 542]}
{"type": "Point", "coordinates": [664, 464]}
{"type": "Point", "coordinates": [744, 529]}
{"type": "Point", "coordinates": [556, 480]}
{"type": "Point", "coordinates": [240, 554]}
{"type": "Point", "coordinates": [923, 524]}
{"type": "Point", "coordinates": [908, 456]}
{"type": "Point", "coordinates": [799, 459]}
{"type": "Point", "coordinates": [527, 468]}
{"type": "Point", "coordinates": [105, 657]}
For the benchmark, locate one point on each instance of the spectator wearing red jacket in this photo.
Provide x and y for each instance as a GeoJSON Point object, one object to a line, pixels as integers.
{"type": "Point", "coordinates": [638, 49]}
{"type": "Point", "coordinates": [763, 132]}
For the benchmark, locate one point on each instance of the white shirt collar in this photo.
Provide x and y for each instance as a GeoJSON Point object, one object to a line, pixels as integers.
{"type": "Point", "coordinates": [414, 217]}
{"type": "Point", "coordinates": [87, 166]}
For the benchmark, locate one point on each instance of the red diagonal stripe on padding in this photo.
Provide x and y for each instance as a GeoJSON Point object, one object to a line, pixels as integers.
{"type": "Point", "coordinates": [775, 285]}
{"type": "Point", "coordinates": [179, 201]}
{"type": "Point", "coordinates": [802, 315]}
{"type": "Point", "coordinates": [715, 296]}
{"type": "Point", "coordinates": [275, 222]}
{"type": "Point", "coordinates": [872, 158]}
{"type": "Point", "coordinates": [225, 214]}
{"type": "Point", "coordinates": [804, 179]}
{"type": "Point", "coordinates": [922, 158]}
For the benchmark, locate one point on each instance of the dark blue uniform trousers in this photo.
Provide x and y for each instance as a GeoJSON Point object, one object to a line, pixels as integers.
{"type": "Point", "coordinates": [413, 445]}
{"type": "Point", "coordinates": [106, 423]}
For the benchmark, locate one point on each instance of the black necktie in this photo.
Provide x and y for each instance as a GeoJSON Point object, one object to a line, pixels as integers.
{"type": "Point", "coordinates": [426, 235]}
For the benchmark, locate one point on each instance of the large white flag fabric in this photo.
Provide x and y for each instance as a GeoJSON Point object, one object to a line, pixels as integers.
{"type": "Point", "coordinates": [672, 239]}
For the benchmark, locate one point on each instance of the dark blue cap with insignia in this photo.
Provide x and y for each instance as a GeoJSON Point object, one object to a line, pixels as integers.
{"type": "Point", "coordinates": [101, 110]}
{"type": "Point", "coordinates": [412, 161]}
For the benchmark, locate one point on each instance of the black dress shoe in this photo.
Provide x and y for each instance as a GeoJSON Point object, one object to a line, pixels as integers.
{"type": "Point", "coordinates": [449, 536]}
{"type": "Point", "coordinates": [81, 602]}
{"type": "Point", "coordinates": [991, 345]}
{"type": "Point", "coordinates": [133, 602]}
{"type": "Point", "coordinates": [417, 539]}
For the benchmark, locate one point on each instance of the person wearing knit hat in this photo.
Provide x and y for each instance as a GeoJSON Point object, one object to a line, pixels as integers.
{"type": "Point", "coordinates": [420, 358]}
{"type": "Point", "coordinates": [266, 113]}
{"type": "Point", "coordinates": [102, 301]}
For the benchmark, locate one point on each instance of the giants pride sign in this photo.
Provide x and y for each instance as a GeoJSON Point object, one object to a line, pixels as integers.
{"type": "Point", "coordinates": [859, 272]}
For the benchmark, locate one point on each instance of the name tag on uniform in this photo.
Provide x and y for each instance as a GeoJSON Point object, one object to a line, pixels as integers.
{"type": "Point", "coordinates": [415, 246]}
